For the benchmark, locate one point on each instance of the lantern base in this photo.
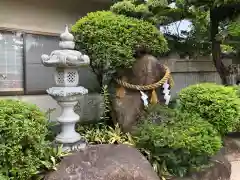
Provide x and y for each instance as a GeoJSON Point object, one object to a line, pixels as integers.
{"type": "Point", "coordinates": [71, 147]}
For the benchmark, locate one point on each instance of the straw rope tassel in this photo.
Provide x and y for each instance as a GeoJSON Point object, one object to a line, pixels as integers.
{"type": "Point", "coordinates": [154, 98]}
{"type": "Point", "coordinates": [121, 90]}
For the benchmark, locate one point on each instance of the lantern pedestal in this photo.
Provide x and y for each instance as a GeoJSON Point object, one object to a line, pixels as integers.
{"type": "Point", "coordinates": [68, 120]}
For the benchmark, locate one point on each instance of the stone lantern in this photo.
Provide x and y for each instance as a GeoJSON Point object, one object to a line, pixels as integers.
{"type": "Point", "coordinates": [66, 92]}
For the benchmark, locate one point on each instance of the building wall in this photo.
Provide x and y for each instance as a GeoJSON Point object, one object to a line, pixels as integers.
{"type": "Point", "coordinates": [45, 15]}
{"type": "Point", "coordinates": [41, 22]}
{"type": "Point", "coordinates": [39, 18]}
{"type": "Point", "coordinates": [192, 71]}
{"type": "Point", "coordinates": [89, 108]}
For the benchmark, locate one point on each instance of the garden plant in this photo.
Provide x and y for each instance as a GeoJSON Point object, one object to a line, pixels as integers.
{"type": "Point", "coordinates": [217, 104]}
{"type": "Point", "coordinates": [177, 140]}
{"type": "Point", "coordinates": [111, 41]}
{"type": "Point", "coordinates": [24, 150]}
{"type": "Point", "coordinates": [175, 143]}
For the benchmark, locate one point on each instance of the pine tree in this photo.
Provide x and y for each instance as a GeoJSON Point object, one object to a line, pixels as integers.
{"type": "Point", "coordinates": [214, 16]}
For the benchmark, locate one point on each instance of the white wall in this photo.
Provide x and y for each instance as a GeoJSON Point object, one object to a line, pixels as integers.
{"type": "Point", "coordinates": [44, 102]}
{"type": "Point", "coordinates": [89, 108]}
{"type": "Point", "coordinates": [45, 15]}
{"type": "Point", "coordinates": [192, 71]}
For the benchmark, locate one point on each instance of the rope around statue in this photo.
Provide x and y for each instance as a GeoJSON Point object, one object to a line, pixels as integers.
{"type": "Point", "coordinates": [164, 81]}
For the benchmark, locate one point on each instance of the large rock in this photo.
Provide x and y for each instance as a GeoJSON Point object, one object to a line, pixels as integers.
{"type": "Point", "coordinates": [104, 162]}
{"type": "Point", "coordinates": [220, 170]}
{"type": "Point", "coordinates": [127, 109]}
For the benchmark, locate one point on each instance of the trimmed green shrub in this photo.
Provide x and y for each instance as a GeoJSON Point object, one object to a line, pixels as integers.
{"type": "Point", "coordinates": [180, 144]}
{"type": "Point", "coordinates": [111, 41]}
{"type": "Point", "coordinates": [23, 149]}
{"type": "Point", "coordinates": [2, 177]}
{"type": "Point", "coordinates": [217, 104]}
{"type": "Point", "coordinates": [174, 102]}
{"type": "Point", "coordinates": [158, 114]}
{"type": "Point", "coordinates": [237, 88]}
{"type": "Point", "coordinates": [174, 143]}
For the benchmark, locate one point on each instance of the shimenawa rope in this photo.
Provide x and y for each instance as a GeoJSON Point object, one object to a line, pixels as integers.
{"type": "Point", "coordinates": [156, 85]}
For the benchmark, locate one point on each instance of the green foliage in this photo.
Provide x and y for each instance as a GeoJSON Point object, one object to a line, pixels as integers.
{"type": "Point", "coordinates": [2, 177]}
{"type": "Point", "coordinates": [227, 48]}
{"type": "Point", "coordinates": [234, 28]}
{"type": "Point", "coordinates": [106, 103]}
{"type": "Point", "coordinates": [217, 104]}
{"type": "Point", "coordinates": [198, 41]}
{"type": "Point", "coordinates": [237, 88]}
{"type": "Point", "coordinates": [199, 36]}
{"type": "Point", "coordinates": [178, 145]}
{"type": "Point", "coordinates": [158, 114]}
{"type": "Point", "coordinates": [111, 40]}
{"type": "Point", "coordinates": [225, 13]}
{"type": "Point", "coordinates": [212, 3]}
{"type": "Point", "coordinates": [174, 103]}
{"type": "Point", "coordinates": [157, 12]}
{"type": "Point", "coordinates": [174, 143]}
{"type": "Point", "coordinates": [23, 149]}
{"type": "Point", "coordinates": [54, 156]}
{"type": "Point", "coordinates": [231, 36]}
{"type": "Point", "coordinates": [49, 112]}
{"type": "Point", "coordinates": [103, 134]}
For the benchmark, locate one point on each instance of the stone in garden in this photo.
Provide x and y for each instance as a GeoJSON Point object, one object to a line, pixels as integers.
{"type": "Point", "coordinates": [104, 162]}
{"type": "Point", "coordinates": [127, 109]}
{"type": "Point", "coordinates": [90, 107]}
{"type": "Point", "coordinates": [67, 91]}
{"type": "Point", "coordinates": [220, 170]}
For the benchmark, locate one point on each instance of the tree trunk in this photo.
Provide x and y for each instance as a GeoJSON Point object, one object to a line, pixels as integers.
{"type": "Point", "coordinates": [216, 49]}
{"type": "Point", "coordinates": [98, 75]}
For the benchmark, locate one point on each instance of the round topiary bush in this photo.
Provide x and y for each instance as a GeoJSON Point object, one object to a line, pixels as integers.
{"type": "Point", "coordinates": [23, 149]}
{"type": "Point", "coordinates": [217, 104]}
{"type": "Point", "coordinates": [111, 40]}
{"type": "Point", "coordinates": [179, 143]}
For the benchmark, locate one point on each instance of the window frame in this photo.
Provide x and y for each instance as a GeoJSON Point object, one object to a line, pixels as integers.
{"type": "Point", "coordinates": [24, 33]}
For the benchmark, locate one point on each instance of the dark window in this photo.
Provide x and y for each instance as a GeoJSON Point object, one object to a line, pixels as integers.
{"type": "Point", "coordinates": [21, 71]}
{"type": "Point", "coordinates": [38, 77]}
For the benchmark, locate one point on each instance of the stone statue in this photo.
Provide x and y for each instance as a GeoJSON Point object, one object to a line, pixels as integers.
{"type": "Point", "coordinates": [66, 57]}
